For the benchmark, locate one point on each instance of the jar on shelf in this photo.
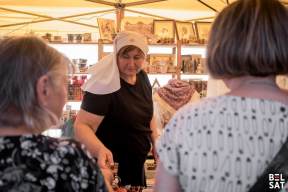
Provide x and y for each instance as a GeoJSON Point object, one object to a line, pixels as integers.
{"type": "Point", "coordinates": [172, 69]}
{"type": "Point", "coordinates": [70, 37]}
{"type": "Point", "coordinates": [163, 68]}
{"type": "Point", "coordinates": [152, 69]}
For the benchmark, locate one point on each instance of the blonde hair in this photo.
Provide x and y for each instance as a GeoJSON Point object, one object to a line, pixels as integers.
{"type": "Point", "coordinates": [249, 37]}
{"type": "Point", "coordinates": [23, 60]}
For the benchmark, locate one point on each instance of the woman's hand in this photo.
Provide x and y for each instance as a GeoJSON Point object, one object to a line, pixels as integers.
{"type": "Point", "coordinates": [108, 177]}
{"type": "Point", "coordinates": [155, 155]}
{"type": "Point", "coordinates": [105, 156]}
{"type": "Point", "coordinates": [154, 136]}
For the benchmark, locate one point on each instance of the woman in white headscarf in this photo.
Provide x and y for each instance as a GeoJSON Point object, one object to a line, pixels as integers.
{"type": "Point", "coordinates": [116, 120]}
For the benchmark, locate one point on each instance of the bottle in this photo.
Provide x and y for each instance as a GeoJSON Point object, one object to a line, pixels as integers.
{"type": "Point", "coordinates": [195, 67]}
{"type": "Point", "coordinates": [83, 80]}
{"type": "Point", "coordinates": [70, 92]}
{"type": "Point", "coordinates": [186, 69]}
{"type": "Point", "coordinates": [77, 89]}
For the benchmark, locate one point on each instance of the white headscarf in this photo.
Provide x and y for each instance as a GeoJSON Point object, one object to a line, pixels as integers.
{"type": "Point", "coordinates": [105, 73]}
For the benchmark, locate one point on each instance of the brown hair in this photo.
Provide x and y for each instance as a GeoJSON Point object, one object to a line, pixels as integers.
{"type": "Point", "coordinates": [124, 50]}
{"type": "Point", "coordinates": [249, 37]}
{"type": "Point", "coordinates": [23, 60]}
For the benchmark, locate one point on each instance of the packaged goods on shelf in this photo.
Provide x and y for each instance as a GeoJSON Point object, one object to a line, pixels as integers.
{"type": "Point", "coordinates": [74, 90]}
{"type": "Point", "coordinates": [66, 115]}
{"type": "Point", "coordinates": [150, 168]}
{"type": "Point", "coordinates": [70, 92]}
{"type": "Point", "coordinates": [68, 107]}
{"type": "Point", "coordinates": [77, 92]}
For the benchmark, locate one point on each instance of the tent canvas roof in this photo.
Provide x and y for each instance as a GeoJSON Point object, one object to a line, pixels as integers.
{"type": "Point", "coordinates": [173, 9]}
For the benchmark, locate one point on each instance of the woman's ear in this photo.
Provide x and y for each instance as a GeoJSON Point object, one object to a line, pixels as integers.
{"type": "Point", "coordinates": [43, 89]}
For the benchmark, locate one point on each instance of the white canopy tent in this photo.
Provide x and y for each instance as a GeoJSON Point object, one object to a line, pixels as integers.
{"type": "Point", "coordinates": [81, 15]}
{"type": "Point", "coordinates": [64, 16]}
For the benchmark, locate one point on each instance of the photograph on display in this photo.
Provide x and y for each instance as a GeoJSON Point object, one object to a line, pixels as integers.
{"type": "Point", "coordinates": [142, 25]}
{"type": "Point", "coordinates": [197, 84]}
{"type": "Point", "coordinates": [203, 29]}
{"type": "Point", "coordinates": [162, 59]}
{"type": "Point", "coordinates": [204, 85]}
{"type": "Point", "coordinates": [186, 64]}
{"type": "Point", "coordinates": [164, 28]}
{"type": "Point", "coordinates": [106, 28]}
{"type": "Point", "coordinates": [184, 30]}
{"type": "Point", "coordinates": [203, 94]}
{"type": "Point", "coordinates": [193, 39]}
{"type": "Point", "coordinates": [186, 58]}
{"type": "Point", "coordinates": [197, 58]}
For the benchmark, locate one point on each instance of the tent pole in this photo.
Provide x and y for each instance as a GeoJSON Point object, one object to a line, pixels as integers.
{"type": "Point", "coordinates": [207, 5]}
{"type": "Point", "coordinates": [150, 14]}
{"type": "Point", "coordinates": [119, 17]}
{"type": "Point", "coordinates": [23, 23]}
{"type": "Point", "coordinates": [204, 18]}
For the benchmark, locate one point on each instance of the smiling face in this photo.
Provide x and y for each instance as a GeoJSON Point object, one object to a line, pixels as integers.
{"type": "Point", "coordinates": [130, 62]}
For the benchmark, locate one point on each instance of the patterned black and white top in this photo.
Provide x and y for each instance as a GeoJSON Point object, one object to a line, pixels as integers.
{"type": "Point", "coordinates": [223, 143]}
{"type": "Point", "coordinates": [40, 163]}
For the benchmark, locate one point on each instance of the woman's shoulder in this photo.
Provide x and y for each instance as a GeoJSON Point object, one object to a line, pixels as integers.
{"type": "Point", "coordinates": [142, 73]}
{"type": "Point", "coordinates": [211, 104]}
{"type": "Point", "coordinates": [228, 103]}
{"type": "Point", "coordinates": [64, 145]}
{"type": "Point", "coordinates": [64, 158]}
{"type": "Point", "coordinates": [93, 95]}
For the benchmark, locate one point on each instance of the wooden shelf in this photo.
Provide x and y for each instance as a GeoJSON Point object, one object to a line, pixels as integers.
{"type": "Point", "coordinates": [176, 49]}
{"type": "Point", "coordinates": [73, 43]}
{"type": "Point", "coordinates": [81, 73]}
{"type": "Point", "coordinates": [149, 45]}
{"type": "Point", "coordinates": [161, 73]}
{"type": "Point", "coordinates": [194, 74]}
{"type": "Point", "coordinates": [86, 73]}
{"type": "Point", "coordinates": [194, 45]}
{"type": "Point", "coordinates": [95, 42]}
{"type": "Point", "coordinates": [73, 101]}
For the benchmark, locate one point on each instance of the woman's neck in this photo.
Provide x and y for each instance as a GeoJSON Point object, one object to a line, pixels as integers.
{"type": "Point", "coordinates": [242, 82]}
{"type": "Point", "coordinates": [256, 87]}
{"type": "Point", "coordinates": [129, 79]}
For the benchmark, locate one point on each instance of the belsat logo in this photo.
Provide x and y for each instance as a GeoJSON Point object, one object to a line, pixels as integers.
{"type": "Point", "coordinates": [276, 181]}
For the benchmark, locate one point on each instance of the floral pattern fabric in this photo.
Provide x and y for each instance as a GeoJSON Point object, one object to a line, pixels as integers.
{"type": "Point", "coordinates": [40, 163]}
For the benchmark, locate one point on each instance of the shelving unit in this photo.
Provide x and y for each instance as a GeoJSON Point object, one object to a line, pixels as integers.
{"type": "Point", "coordinates": [193, 74]}
{"type": "Point", "coordinates": [176, 49]}
{"type": "Point", "coordinates": [86, 73]}
{"type": "Point", "coordinates": [74, 43]}
{"type": "Point", "coordinates": [98, 48]}
{"type": "Point", "coordinates": [93, 52]}
{"type": "Point", "coordinates": [161, 73]}
{"type": "Point", "coordinates": [81, 73]}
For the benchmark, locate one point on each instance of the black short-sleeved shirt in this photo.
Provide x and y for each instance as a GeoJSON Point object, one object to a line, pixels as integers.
{"type": "Point", "coordinates": [125, 129]}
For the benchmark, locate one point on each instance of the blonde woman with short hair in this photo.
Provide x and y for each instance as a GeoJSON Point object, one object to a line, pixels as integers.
{"type": "Point", "coordinates": [33, 85]}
